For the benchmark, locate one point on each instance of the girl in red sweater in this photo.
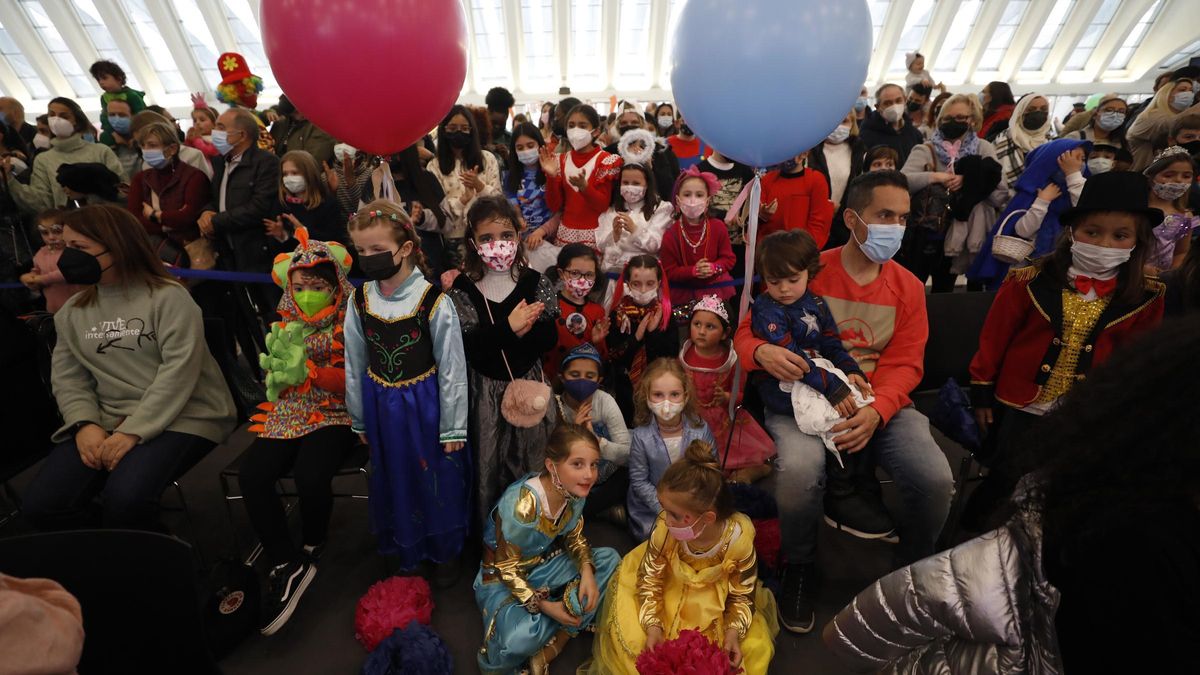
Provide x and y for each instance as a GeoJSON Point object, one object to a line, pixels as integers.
{"type": "Point", "coordinates": [696, 252]}
{"type": "Point", "coordinates": [794, 198]}
{"type": "Point", "coordinates": [579, 182]}
{"type": "Point", "coordinates": [580, 320]}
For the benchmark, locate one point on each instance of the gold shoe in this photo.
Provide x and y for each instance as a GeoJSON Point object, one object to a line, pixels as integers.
{"type": "Point", "coordinates": [540, 663]}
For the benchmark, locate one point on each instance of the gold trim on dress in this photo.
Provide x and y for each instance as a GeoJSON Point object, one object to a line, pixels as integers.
{"type": "Point", "coordinates": [402, 383]}
{"type": "Point", "coordinates": [416, 308]}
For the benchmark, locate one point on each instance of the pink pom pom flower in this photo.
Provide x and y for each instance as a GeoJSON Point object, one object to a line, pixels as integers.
{"type": "Point", "coordinates": [689, 654]}
{"type": "Point", "coordinates": [391, 604]}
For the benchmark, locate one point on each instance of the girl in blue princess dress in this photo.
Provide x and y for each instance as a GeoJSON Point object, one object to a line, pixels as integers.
{"type": "Point", "coordinates": [540, 583]}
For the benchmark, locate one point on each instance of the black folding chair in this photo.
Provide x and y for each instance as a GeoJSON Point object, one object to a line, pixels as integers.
{"type": "Point", "coordinates": [139, 594]}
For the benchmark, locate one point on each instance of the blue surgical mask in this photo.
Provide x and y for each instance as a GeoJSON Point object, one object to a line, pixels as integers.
{"type": "Point", "coordinates": [220, 140]}
{"type": "Point", "coordinates": [883, 241]}
{"type": "Point", "coordinates": [860, 104]}
{"type": "Point", "coordinates": [154, 158]}
{"type": "Point", "coordinates": [1110, 119]}
{"type": "Point", "coordinates": [581, 389]}
{"type": "Point", "coordinates": [120, 125]}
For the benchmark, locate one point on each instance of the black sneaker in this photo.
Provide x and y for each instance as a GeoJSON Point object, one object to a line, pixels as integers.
{"type": "Point", "coordinates": [796, 612]}
{"type": "Point", "coordinates": [860, 514]}
{"type": "Point", "coordinates": [287, 583]}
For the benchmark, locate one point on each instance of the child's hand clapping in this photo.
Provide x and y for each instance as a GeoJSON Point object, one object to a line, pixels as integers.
{"type": "Point", "coordinates": [650, 322]}
{"type": "Point", "coordinates": [523, 316]}
{"type": "Point", "coordinates": [600, 331]}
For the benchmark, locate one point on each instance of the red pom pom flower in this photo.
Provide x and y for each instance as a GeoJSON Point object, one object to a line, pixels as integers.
{"type": "Point", "coordinates": [689, 654]}
{"type": "Point", "coordinates": [391, 604]}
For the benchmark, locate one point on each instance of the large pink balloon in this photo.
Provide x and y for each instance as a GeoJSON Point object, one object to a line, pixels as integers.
{"type": "Point", "coordinates": [377, 74]}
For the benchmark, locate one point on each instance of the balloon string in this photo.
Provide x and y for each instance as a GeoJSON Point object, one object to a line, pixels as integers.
{"type": "Point", "coordinates": [751, 236]}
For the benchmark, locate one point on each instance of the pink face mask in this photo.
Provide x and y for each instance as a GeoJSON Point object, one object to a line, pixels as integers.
{"type": "Point", "coordinates": [693, 207]}
{"type": "Point", "coordinates": [579, 287]}
{"type": "Point", "coordinates": [498, 255]}
{"type": "Point", "coordinates": [686, 533]}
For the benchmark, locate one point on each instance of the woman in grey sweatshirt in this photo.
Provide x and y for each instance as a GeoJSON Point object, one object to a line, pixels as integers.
{"type": "Point", "coordinates": [141, 397]}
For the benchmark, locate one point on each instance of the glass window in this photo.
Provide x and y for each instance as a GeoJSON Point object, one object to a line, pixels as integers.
{"type": "Point", "coordinates": [81, 83]}
{"type": "Point", "coordinates": [1036, 58]}
{"type": "Point", "coordinates": [200, 41]}
{"type": "Point", "coordinates": [249, 40]}
{"type": "Point", "coordinates": [1091, 36]}
{"type": "Point", "coordinates": [669, 42]}
{"type": "Point", "coordinates": [102, 40]}
{"type": "Point", "coordinates": [491, 66]}
{"type": "Point", "coordinates": [21, 66]}
{"type": "Point", "coordinates": [154, 46]}
{"type": "Point", "coordinates": [539, 69]}
{"type": "Point", "coordinates": [587, 65]}
{"type": "Point", "coordinates": [956, 38]}
{"type": "Point", "coordinates": [1180, 58]}
{"type": "Point", "coordinates": [914, 31]}
{"type": "Point", "coordinates": [1134, 40]}
{"type": "Point", "coordinates": [633, 46]}
{"type": "Point", "coordinates": [879, 11]}
{"type": "Point", "coordinates": [1002, 36]}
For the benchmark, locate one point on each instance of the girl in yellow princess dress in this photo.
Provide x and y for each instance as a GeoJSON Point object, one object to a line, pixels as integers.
{"type": "Point", "coordinates": [698, 570]}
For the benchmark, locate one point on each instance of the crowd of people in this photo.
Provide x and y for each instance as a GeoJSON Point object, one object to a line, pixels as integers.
{"type": "Point", "coordinates": [548, 332]}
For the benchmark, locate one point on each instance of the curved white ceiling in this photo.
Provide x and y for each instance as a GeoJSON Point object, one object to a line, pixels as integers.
{"type": "Point", "coordinates": [601, 47]}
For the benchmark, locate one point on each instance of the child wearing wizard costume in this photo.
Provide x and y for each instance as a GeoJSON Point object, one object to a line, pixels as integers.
{"type": "Point", "coordinates": [406, 388]}
{"type": "Point", "coordinates": [240, 88]}
{"type": "Point", "coordinates": [304, 427]}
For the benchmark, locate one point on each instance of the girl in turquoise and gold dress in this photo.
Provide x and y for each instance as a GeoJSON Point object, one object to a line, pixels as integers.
{"type": "Point", "coordinates": [540, 583]}
{"type": "Point", "coordinates": [697, 571]}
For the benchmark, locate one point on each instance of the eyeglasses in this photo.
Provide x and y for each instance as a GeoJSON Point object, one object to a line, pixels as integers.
{"type": "Point", "coordinates": [575, 275]}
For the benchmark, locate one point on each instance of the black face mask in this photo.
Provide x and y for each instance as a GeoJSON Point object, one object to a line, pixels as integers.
{"type": "Point", "coordinates": [624, 130]}
{"type": "Point", "coordinates": [1193, 147]}
{"type": "Point", "coordinates": [913, 106]}
{"type": "Point", "coordinates": [560, 130]}
{"type": "Point", "coordinates": [952, 129]}
{"type": "Point", "coordinates": [685, 130]}
{"type": "Point", "coordinates": [1032, 121]}
{"type": "Point", "coordinates": [78, 267]}
{"type": "Point", "coordinates": [458, 139]}
{"type": "Point", "coordinates": [379, 266]}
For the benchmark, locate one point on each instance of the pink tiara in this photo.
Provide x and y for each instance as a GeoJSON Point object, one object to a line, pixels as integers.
{"type": "Point", "coordinates": [711, 303]}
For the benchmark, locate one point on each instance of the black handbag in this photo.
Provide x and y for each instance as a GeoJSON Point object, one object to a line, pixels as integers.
{"type": "Point", "coordinates": [232, 610]}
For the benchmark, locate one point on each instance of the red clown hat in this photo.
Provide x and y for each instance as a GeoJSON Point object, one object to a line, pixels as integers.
{"type": "Point", "coordinates": [233, 68]}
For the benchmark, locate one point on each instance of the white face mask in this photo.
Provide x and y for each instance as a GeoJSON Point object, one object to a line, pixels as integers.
{"type": "Point", "coordinates": [839, 135]}
{"type": "Point", "coordinates": [294, 184]}
{"type": "Point", "coordinates": [1100, 262]}
{"type": "Point", "coordinates": [579, 138]}
{"type": "Point", "coordinates": [60, 127]}
{"type": "Point", "coordinates": [1100, 165]}
{"type": "Point", "coordinates": [665, 121]}
{"type": "Point", "coordinates": [633, 194]}
{"type": "Point", "coordinates": [642, 298]}
{"type": "Point", "coordinates": [528, 157]}
{"type": "Point", "coordinates": [41, 141]}
{"type": "Point", "coordinates": [343, 151]}
{"type": "Point", "coordinates": [666, 410]}
{"type": "Point", "coordinates": [893, 113]}
{"type": "Point", "coordinates": [1183, 99]}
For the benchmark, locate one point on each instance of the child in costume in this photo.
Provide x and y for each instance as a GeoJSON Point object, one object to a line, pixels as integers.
{"type": "Point", "coordinates": [580, 321]}
{"type": "Point", "coordinates": [406, 388]}
{"type": "Point", "coordinates": [791, 316]}
{"type": "Point", "coordinates": [582, 402]}
{"type": "Point", "coordinates": [1170, 176]}
{"type": "Point", "coordinates": [508, 316]}
{"type": "Point", "coordinates": [304, 426]}
{"type": "Point", "coordinates": [640, 329]}
{"type": "Point", "coordinates": [579, 182]}
{"type": "Point", "coordinates": [698, 571]}
{"type": "Point", "coordinates": [635, 223]}
{"type": "Point", "coordinates": [239, 87]}
{"type": "Point", "coordinates": [667, 423]}
{"type": "Point", "coordinates": [710, 362]}
{"type": "Point", "coordinates": [1055, 320]}
{"type": "Point", "coordinates": [204, 120]}
{"type": "Point", "coordinates": [540, 582]}
{"type": "Point", "coordinates": [696, 251]}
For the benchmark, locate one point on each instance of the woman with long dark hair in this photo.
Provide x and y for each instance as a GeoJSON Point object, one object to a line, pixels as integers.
{"type": "Point", "coordinates": [465, 173]}
{"type": "Point", "coordinates": [141, 397]}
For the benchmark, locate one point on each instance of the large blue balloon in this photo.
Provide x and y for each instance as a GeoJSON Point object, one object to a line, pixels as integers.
{"type": "Point", "coordinates": [764, 80]}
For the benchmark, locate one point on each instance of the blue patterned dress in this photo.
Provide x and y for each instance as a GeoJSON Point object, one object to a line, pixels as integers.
{"type": "Point", "coordinates": [528, 550]}
{"type": "Point", "coordinates": [530, 199]}
{"type": "Point", "coordinates": [406, 390]}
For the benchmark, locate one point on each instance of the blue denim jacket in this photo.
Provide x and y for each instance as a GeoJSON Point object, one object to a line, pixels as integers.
{"type": "Point", "coordinates": [648, 461]}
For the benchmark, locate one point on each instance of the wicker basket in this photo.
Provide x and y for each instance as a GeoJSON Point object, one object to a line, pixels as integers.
{"type": "Point", "coordinates": [1008, 248]}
